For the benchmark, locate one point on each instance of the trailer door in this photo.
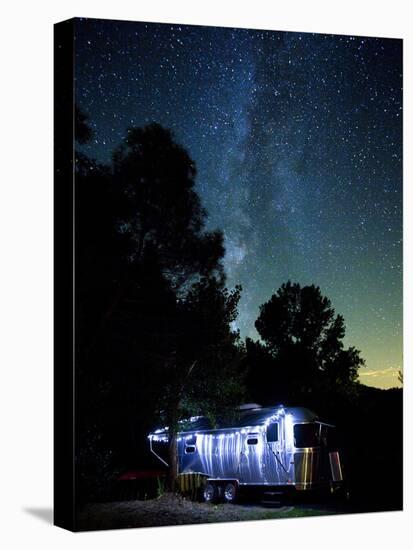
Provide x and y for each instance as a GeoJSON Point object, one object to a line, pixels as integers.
{"type": "Point", "coordinates": [251, 458]}
{"type": "Point", "coordinates": [274, 467]}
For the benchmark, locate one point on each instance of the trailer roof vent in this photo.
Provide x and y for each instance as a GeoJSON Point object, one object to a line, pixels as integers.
{"type": "Point", "coordinates": [249, 406]}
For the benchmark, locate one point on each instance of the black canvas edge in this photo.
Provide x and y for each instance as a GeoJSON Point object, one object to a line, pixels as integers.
{"type": "Point", "coordinates": [64, 195]}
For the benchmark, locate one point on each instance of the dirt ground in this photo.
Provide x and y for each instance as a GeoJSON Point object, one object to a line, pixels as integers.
{"type": "Point", "coordinates": [176, 510]}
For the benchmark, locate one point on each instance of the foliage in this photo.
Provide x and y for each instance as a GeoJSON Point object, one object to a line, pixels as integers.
{"type": "Point", "coordinates": [153, 315]}
{"type": "Point", "coordinates": [157, 178]}
{"type": "Point", "coordinates": [209, 344]}
{"type": "Point", "coordinates": [302, 350]}
{"type": "Point", "coordinates": [199, 363]}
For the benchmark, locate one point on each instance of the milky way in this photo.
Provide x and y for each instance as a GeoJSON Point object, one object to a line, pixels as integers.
{"type": "Point", "coordinates": [297, 143]}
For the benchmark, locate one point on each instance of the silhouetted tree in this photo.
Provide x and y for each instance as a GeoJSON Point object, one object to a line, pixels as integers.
{"type": "Point", "coordinates": [265, 382]}
{"type": "Point", "coordinates": [146, 199]}
{"type": "Point", "coordinates": [144, 263]}
{"type": "Point", "coordinates": [157, 177]}
{"type": "Point", "coordinates": [303, 350]}
{"type": "Point", "coordinates": [202, 374]}
{"type": "Point", "coordinates": [101, 258]}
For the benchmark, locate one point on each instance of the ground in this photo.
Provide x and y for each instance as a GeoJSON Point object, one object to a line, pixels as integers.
{"type": "Point", "coordinates": [176, 510]}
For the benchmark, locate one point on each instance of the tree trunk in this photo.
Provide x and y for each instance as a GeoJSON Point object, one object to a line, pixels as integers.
{"type": "Point", "coordinates": [172, 421]}
{"type": "Point", "coordinates": [173, 460]}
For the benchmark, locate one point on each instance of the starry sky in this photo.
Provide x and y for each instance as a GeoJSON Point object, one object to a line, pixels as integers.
{"type": "Point", "coordinates": [297, 139]}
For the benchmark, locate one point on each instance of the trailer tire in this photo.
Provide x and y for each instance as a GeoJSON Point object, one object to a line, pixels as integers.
{"type": "Point", "coordinates": [211, 493]}
{"type": "Point", "coordinates": [230, 493]}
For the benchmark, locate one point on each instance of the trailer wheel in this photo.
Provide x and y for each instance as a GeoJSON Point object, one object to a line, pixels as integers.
{"type": "Point", "coordinates": [230, 493]}
{"type": "Point", "coordinates": [211, 493]}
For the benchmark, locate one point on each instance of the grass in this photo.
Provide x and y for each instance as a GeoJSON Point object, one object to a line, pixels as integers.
{"type": "Point", "coordinates": [174, 510]}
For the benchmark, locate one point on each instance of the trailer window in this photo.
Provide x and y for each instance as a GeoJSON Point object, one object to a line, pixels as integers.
{"type": "Point", "coordinates": [190, 442]}
{"type": "Point", "coordinates": [252, 441]}
{"type": "Point", "coordinates": [306, 435]}
{"type": "Point", "coordinates": [272, 432]}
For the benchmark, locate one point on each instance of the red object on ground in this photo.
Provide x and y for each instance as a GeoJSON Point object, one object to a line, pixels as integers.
{"type": "Point", "coordinates": [140, 474]}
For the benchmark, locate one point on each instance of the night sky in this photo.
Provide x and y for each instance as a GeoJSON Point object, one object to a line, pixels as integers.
{"type": "Point", "coordinates": [297, 140]}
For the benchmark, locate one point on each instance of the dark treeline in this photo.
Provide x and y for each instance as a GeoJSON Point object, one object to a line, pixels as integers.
{"type": "Point", "coordinates": [153, 316]}
{"type": "Point", "coordinates": [155, 342]}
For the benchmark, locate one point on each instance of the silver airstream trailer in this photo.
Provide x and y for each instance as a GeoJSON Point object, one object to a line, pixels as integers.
{"type": "Point", "coordinates": [274, 448]}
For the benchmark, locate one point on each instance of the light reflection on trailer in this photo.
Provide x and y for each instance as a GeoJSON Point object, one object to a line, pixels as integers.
{"type": "Point", "coordinates": [274, 447]}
